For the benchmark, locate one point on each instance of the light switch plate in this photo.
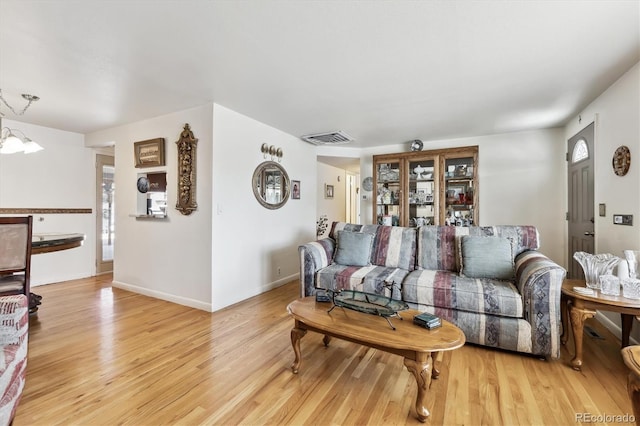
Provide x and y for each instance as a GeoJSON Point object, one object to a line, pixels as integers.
{"type": "Point", "coordinates": [623, 219]}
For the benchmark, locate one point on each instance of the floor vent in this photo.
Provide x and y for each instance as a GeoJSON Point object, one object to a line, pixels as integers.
{"type": "Point", "coordinates": [330, 138]}
{"type": "Point", "coordinates": [591, 332]}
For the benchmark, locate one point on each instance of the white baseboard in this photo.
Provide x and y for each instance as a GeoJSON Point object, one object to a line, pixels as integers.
{"type": "Point", "coordinates": [197, 304]}
{"type": "Point", "coordinates": [192, 303]}
{"type": "Point", "coordinates": [280, 282]}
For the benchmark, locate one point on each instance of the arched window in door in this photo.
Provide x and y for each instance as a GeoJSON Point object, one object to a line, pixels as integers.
{"type": "Point", "coordinates": [580, 151]}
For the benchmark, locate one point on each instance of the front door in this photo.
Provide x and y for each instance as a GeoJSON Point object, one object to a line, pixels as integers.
{"type": "Point", "coordinates": [580, 192]}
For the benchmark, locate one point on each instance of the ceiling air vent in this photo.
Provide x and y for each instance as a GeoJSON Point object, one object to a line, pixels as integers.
{"type": "Point", "coordinates": [330, 138]}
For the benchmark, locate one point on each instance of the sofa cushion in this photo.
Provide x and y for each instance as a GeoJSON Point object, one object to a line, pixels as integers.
{"type": "Point", "coordinates": [486, 257]}
{"type": "Point", "coordinates": [395, 247]}
{"type": "Point", "coordinates": [353, 248]}
{"type": "Point", "coordinates": [513, 334]}
{"type": "Point", "coordinates": [370, 279]}
{"type": "Point", "coordinates": [437, 245]}
{"type": "Point", "coordinates": [445, 289]}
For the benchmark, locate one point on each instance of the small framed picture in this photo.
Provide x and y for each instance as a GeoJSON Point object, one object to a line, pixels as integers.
{"type": "Point", "coordinates": [295, 189]}
{"type": "Point", "coordinates": [328, 191]}
{"type": "Point", "coordinates": [149, 153]}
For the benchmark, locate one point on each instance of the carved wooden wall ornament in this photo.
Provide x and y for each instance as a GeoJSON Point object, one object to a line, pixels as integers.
{"type": "Point", "coordinates": [187, 145]}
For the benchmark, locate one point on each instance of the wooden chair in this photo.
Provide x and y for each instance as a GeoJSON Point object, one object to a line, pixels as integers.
{"type": "Point", "coordinates": [15, 255]}
{"type": "Point", "coordinates": [631, 357]}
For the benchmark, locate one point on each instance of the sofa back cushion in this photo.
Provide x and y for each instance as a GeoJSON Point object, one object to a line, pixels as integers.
{"type": "Point", "coordinates": [438, 246]}
{"type": "Point", "coordinates": [393, 246]}
{"type": "Point", "coordinates": [353, 248]}
{"type": "Point", "coordinates": [486, 257]}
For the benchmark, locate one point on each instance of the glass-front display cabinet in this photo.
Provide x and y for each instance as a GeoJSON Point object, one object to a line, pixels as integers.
{"type": "Point", "coordinates": [437, 187]}
{"type": "Point", "coordinates": [388, 192]}
{"type": "Point", "coordinates": [460, 191]}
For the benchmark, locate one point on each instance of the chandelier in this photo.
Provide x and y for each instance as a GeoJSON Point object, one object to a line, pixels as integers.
{"type": "Point", "coordinates": [14, 140]}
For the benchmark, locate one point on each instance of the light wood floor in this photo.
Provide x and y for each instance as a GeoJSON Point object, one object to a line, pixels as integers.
{"type": "Point", "coordinates": [104, 356]}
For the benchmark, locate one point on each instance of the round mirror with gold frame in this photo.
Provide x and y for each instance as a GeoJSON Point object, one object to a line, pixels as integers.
{"type": "Point", "coordinates": [271, 185]}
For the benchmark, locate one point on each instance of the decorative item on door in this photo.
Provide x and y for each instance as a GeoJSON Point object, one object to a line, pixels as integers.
{"type": "Point", "coordinates": [187, 161]}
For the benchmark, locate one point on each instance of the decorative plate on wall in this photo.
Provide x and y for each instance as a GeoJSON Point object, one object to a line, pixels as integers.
{"type": "Point", "coordinates": [367, 183]}
{"type": "Point", "coordinates": [621, 160]}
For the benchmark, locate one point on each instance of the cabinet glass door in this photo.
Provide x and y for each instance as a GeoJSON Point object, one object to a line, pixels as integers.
{"type": "Point", "coordinates": [388, 193]}
{"type": "Point", "coordinates": [459, 191]}
{"type": "Point", "coordinates": [421, 193]}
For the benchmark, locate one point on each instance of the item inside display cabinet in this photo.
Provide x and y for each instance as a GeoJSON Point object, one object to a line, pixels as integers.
{"type": "Point", "coordinates": [388, 174]}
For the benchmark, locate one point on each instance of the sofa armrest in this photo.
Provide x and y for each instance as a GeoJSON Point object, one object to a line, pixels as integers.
{"type": "Point", "coordinates": [539, 281]}
{"type": "Point", "coordinates": [14, 327]}
{"type": "Point", "coordinates": [313, 257]}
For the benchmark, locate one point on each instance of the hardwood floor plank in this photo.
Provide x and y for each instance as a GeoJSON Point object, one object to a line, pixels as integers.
{"type": "Point", "coordinates": [101, 355]}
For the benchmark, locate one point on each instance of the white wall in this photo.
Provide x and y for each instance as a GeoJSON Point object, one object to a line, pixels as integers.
{"type": "Point", "coordinates": [249, 242]}
{"type": "Point", "coordinates": [616, 113]}
{"type": "Point", "coordinates": [60, 176]}
{"type": "Point", "coordinates": [169, 259]}
{"type": "Point", "coordinates": [231, 248]}
{"type": "Point", "coordinates": [522, 177]}
{"type": "Point", "coordinates": [617, 116]}
{"type": "Point", "coordinates": [334, 208]}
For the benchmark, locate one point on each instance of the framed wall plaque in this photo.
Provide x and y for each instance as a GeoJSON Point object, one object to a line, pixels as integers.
{"type": "Point", "coordinates": [149, 153]}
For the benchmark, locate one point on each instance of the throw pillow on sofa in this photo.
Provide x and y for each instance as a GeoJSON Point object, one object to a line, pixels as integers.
{"type": "Point", "coordinates": [486, 257]}
{"type": "Point", "coordinates": [353, 248]}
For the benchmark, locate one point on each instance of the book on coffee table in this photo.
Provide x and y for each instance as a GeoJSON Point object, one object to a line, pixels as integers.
{"type": "Point", "coordinates": [427, 320]}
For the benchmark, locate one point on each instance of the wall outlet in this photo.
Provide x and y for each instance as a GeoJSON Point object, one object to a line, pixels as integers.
{"type": "Point", "coordinates": [278, 270]}
{"type": "Point", "coordinates": [623, 219]}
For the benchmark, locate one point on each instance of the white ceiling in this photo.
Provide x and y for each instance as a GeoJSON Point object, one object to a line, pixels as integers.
{"type": "Point", "coordinates": [385, 72]}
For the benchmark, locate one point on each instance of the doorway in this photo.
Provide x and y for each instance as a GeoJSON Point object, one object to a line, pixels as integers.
{"type": "Point", "coordinates": [580, 218]}
{"type": "Point", "coordinates": [105, 217]}
{"type": "Point", "coordinates": [352, 197]}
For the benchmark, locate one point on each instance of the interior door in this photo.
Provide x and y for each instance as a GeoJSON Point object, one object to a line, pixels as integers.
{"type": "Point", "coordinates": [105, 218]}
{"type": "Point", "coordinates": [580, 193]}
{"type": "Point", "coordinates": [352, 201]}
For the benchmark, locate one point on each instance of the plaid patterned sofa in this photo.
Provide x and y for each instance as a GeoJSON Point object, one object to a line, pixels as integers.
{"type": "Point", "coordinates": [422, 266]}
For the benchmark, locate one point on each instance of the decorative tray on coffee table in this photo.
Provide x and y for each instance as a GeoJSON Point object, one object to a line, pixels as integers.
{"type": "Point", "coordinates": [369, 303]}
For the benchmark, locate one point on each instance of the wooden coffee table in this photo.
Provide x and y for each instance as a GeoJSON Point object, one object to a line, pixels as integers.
{"type": "Point", "coordinates": [577, 307]}
{"type": "Point", "coordinates": [417, 345]}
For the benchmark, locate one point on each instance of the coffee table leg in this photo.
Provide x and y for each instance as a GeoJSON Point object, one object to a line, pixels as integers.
{"type": "Point", "coordinates": [578, 316]}
{"type": "Point", "coordinates": [627, 323]}
{"type": "Point", "coordinates": [326, 339]}
{"type": "Point", "coordinates": [421, 368]}
{"type": "Point", "coordinates": [436, 360]}
{"type": "Point", "coordinates": [296, 335]}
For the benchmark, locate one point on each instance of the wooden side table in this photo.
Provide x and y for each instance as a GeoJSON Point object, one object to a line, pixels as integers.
{"type": "Point", "coordinates": [577, 307]}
